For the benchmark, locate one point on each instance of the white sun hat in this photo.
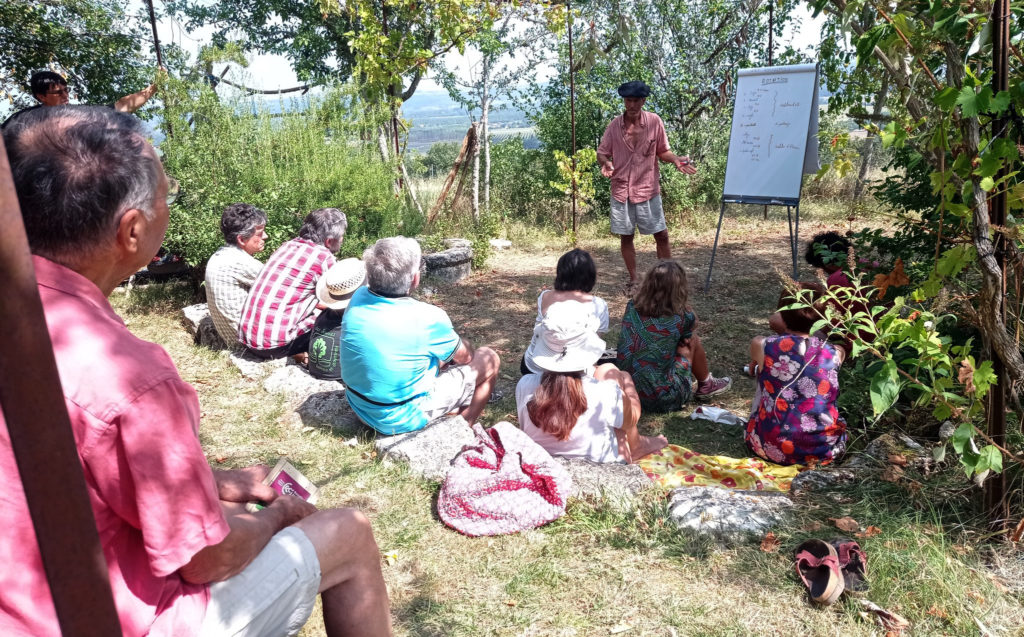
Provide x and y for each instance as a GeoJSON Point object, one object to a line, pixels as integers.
{"type": "Point", "coordinates": [336, 287]}
{"type": "Point", "coordinates": [565, 340]}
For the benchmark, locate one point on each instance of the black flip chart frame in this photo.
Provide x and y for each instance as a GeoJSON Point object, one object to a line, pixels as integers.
{"type": "Point", "coordinates": [792, 205]}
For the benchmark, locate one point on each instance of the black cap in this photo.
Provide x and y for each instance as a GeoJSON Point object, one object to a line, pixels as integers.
{"type": "Point", "coordinates": [636, 88]}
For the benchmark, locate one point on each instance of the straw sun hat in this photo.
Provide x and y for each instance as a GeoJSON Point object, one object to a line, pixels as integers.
{"type": "Point", "coordinates": [565, 341]}
{"type": "Point", "coordinates": [336, 287]}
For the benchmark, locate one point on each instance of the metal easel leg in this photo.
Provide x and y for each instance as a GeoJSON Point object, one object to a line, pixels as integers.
{"type": "Point", "coordinates": [796, 244]}
{"type": "Point", "coordinates": [714, 248]}
{"type": "Point", "coordinates": [792, 246]}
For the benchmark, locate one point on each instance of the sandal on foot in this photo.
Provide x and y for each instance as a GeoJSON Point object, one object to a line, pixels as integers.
{"type": "Point", "coordinates": [853, 563]}
{"type": "Point", "coordinates": [711, 387]}
{"type": "Point", "coordinates": [629, 289]}
{"type": "Point", "coordinates": [817, 564]}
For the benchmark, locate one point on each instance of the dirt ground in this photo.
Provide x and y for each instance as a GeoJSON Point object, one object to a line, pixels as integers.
{"type": "Point", "coordinates": [497, 306]}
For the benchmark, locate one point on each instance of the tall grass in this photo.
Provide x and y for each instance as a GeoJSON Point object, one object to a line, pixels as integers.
{"type": "Point", "coordinates": [287, 164]}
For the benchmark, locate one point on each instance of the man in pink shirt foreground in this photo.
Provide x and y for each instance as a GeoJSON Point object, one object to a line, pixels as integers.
{"type": "Point", "coordinates": [628, 154]}
{"type": "Point", "coordinates": [184, 557]}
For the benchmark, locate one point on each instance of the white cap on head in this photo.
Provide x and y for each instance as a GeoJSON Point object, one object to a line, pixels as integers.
{"type": "Point", "coordinates": [566, 340]}
{"type": "Point", "coordinates": [336, 287]}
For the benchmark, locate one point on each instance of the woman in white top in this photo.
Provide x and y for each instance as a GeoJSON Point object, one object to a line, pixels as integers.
{"type": "Point", "coordinates": [573, 413]}
{"type": "Point", "coordinates": [575, 276]}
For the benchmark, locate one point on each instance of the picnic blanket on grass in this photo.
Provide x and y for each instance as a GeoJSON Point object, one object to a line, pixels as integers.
{"type": "Point", "coordinates": [676, 466]}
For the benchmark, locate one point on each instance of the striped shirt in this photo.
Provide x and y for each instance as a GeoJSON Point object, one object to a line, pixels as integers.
{"type": "Point", "coordinates": [635, 178]}
{"type": "Point", "coordinates": [281, 304]}
{"type": "Point", "coordinates": [230, 273]}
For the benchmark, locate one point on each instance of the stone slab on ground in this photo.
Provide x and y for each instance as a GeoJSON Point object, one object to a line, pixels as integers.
{"type": "Point", "coordinates": [255, 368]}
{"type": "Point", "coordinates": [876, 454]}
{"type": "Point", "coordinates": [295, 383]}
{"type": "Point", "coordinates": [728, 515]}
{"type": "Point", "coordinates": [817, 480]}
{"type": "Point", "coordinates": [615, 484]}
{"type": "Point", "coordinates": [500, 244]}
{"type": "Point", "coordinates": [428, 451]}
{"type": "Point", "coordinates": [330, 409]}
{"type": "Point", "coordinates": [200, 326]}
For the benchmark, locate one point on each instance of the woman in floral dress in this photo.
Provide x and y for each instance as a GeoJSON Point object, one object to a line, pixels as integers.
{"type": "Point", "coordinates": [658, 348]}
{"type": "Point", "coordinates": [794, 419]}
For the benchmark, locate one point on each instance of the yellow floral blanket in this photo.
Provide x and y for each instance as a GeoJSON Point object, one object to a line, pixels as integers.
{"type": "Point", "coordinates": [676, 466]}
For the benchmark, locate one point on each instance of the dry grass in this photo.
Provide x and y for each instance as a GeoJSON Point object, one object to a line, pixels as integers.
{"type": "Point", "coordinates": [595, 572]}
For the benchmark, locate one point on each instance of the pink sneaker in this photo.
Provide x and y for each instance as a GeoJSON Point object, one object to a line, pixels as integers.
{"type": "Point", "coordinates": [712, 387]}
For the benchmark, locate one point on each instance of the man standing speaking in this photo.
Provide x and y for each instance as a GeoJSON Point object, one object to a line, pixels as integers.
{"type": "Point", "coordinates": [628, 154]}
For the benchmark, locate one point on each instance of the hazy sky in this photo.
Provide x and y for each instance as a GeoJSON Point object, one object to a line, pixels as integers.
{"type": "Point", "coordinates": [270, 72]}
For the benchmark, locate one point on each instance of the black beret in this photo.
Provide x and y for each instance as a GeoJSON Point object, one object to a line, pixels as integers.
{"type": "Point", "coordinates": [636, 88]}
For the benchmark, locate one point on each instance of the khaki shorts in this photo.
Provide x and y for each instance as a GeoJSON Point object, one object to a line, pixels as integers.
{"type": "Point", "coordinates": [273, 596]}
{"type": "Point", "coordinates": [453, 389]}
{"type": "Point", "coordinates": [646, 216]}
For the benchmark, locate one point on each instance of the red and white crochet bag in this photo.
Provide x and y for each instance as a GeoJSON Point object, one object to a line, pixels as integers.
{"type": "Point", "coordinates": [504, 483]}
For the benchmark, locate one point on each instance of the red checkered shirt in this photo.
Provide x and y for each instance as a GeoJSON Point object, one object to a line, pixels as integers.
{"type": "Point", "coordinates": [281, 303]}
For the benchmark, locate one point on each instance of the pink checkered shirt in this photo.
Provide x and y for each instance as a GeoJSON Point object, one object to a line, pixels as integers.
{"type": "Point", "coordinates": [636, 170]}
{"type": "Point", "coordinates": [280, 306]}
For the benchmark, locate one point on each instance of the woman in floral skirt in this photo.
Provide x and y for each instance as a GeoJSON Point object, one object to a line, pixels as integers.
{"type": "Point", "coordinates": [794, 419]}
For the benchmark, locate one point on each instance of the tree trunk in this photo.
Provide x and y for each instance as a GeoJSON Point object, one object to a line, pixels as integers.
{"type": "Point", "coordinates": [476, 174]}
{"type": "Point", "coordinates": [869, 147]}
{"type": "Point", "coordinates": [990, 293]}
{"type": "Point", "coordinates": [485, 131]}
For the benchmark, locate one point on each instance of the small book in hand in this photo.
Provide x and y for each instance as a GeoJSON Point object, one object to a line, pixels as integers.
{"type": "Point", "coordinates": [287, 480]}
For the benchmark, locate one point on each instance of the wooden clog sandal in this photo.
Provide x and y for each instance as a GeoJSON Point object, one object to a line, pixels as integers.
{"type": "Point", "coordinates": [853, 564]}
{"type": "Point", "coordinates": [817, 564]}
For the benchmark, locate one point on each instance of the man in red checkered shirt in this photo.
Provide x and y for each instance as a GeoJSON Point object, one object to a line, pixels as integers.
{"type": "Point", "coordinates": [279, 313]}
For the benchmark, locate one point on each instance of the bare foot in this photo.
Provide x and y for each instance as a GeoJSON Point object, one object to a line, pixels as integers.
{"type": "Point", "coordinates": [302, 359]}
{"type": "Point", "coordinates": [647, 446]}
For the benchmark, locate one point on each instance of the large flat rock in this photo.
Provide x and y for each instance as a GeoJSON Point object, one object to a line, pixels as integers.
{"type": "Point", "coordinates": [255, 368]}
{"type": "Point", "coordinates": [428, 451]}
{"type": "Point", "coordinates": [199, 324]}
{"type": "Point", "coordinates": [295, 383]}
{"type": "Point", "coordinates": [616, 485]}
{"type": "Point", "coordinates": [330, 409]}
{"type": "Point", "coordinates": [728, 515]}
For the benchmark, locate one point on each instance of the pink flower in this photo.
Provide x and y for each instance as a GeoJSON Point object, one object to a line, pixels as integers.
{"type": "Point", "coordinates": [774, 453]}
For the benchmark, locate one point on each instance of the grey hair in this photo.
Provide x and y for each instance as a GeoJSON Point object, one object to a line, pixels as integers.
{"type": "Point", "coordinates": [77, 170]}
{"type": "Point", "coordinates": [324, 224]}
{"type": "Point", "coordinates": [240, 220]}
{"type": "Point", "coordinates": [391, 265]}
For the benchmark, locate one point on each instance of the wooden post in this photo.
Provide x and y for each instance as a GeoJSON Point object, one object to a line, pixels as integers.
{"type": "Point", "coordinates": [42, 442]}
{"type": "Point", "coordinates": [995, 486]}
{"type": "Point", "coordinates": [572, 124]}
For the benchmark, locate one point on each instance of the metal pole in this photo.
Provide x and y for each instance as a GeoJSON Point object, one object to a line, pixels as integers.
{"type": "Point", "coordinates": [572, 123]}
{"type": "Point", "coordinates": [156, 40]}
{"type": "Point", "coordinates": [995, 486]}
{"type": "Point", "coordinates": [714, 248]}
{"type": "Point", "coordinates": [796, 244]}
{"type": "Point", "coordinates": [39, 435]}
{"type": "Point", "coordinates": [771, 28]}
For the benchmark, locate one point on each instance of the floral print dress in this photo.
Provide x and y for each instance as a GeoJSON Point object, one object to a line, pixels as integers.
{"type": "Point", "coordinates": [647, 350]}
{"type": "Point", "coordinates": [794, 419]}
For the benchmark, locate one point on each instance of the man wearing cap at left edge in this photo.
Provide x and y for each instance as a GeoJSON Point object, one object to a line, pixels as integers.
{"type": "Point", "coordinates": [628, 154]}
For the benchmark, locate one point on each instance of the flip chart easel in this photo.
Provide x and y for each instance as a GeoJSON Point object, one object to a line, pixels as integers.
{"type": "Point", "coordinates": [773, 143]}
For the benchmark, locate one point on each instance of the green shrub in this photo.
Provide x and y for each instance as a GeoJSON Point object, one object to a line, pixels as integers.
{"type": "Point", "coordinates": [287, 164]}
